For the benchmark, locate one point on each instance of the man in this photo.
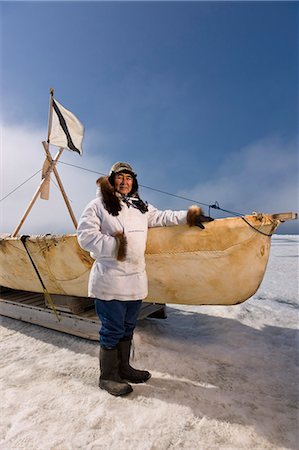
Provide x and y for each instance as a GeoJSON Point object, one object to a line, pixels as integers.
{"type": "Point", "coordinates": [113, 228]}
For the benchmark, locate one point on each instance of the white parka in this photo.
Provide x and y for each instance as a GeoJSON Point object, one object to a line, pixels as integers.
{"type": "Point", "coordinates": [109, 278]}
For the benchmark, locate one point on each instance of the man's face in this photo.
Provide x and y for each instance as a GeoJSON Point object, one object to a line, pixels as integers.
{"type": "Point", "coordinates": [123, 183]}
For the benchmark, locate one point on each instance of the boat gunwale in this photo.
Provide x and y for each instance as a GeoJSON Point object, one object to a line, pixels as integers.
{"type": "Point", "coordinates": [270, 217]}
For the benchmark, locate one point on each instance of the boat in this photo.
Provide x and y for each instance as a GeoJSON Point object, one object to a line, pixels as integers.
{"type": "Point", "coordinates": [222, 264]}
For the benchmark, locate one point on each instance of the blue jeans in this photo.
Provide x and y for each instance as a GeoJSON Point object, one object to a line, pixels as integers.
{"type": "Point", "coordinates": [118, 320]}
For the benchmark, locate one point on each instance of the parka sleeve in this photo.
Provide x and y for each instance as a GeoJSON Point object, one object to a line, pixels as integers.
{"type": "Point", "coordinates": [157, 218]}
{"type": "Point", "coordinates": [91, 238]}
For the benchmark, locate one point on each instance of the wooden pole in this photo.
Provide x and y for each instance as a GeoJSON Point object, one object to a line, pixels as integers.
{"type": "Point", "coordinates": [44, 192]}
{"type": "Point", "coordinates": [61, 186]}
{"type": "Point", "coordinates": [54, 161]}
{"type": "Point", "coordinates": [50, 115]}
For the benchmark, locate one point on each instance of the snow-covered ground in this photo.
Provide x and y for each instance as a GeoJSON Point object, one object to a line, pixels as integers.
{"type": "Point", "coordinates": [223, 378]}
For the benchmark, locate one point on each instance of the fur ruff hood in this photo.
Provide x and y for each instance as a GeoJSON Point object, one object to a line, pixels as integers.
{"type": "Point", "coordinates": [110, 198]}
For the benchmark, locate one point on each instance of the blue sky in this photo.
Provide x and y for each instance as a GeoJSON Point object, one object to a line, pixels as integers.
{"type": "Point", "coordinates": [200, 97]}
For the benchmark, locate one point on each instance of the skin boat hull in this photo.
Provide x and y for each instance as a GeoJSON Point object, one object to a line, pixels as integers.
{"type": "Point", "coordinates": [223, 264]}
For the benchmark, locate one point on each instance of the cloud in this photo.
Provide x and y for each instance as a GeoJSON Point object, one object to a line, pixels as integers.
{"type": "Point", "coordinates": [262, 177]}
{"type": "Point", "coordinates": [23, 155]}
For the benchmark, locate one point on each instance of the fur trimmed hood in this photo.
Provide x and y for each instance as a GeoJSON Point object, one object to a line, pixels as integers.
{"type": "Point", "coordinates": [110, 198]}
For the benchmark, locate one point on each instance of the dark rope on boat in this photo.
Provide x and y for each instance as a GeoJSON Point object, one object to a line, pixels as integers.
{"type": "Point", "coordinates": [256, 229]}
{"type": "Point", "coordinates": [216, 206]}
{"type": "Point", "coordinates": [24, 237]}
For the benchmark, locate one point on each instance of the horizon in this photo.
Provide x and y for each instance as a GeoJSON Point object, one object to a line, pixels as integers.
{"type": "Point", "coordinates": [201, 98]}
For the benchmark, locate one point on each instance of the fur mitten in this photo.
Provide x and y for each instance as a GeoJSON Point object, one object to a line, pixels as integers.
{"type": "Point", "coordinates": [195, 217]}
{"type": "Point", "coordinates": [122, 246]}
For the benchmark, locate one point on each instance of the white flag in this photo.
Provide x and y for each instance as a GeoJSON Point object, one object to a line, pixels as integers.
{"type": "Point", "coordinates": [66, 131]}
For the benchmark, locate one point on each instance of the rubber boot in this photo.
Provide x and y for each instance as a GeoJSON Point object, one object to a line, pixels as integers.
{"type": "Point", "coordinates": [125, 370]}
{"type": "Point", "coordinates": [109, 378]}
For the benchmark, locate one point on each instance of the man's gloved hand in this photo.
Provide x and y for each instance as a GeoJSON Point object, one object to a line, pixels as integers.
{"type": "Point", "coordinates": [195, 217]}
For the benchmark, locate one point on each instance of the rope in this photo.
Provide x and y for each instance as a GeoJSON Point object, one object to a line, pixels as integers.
{"type": "Point", "coordinates": [45, 291]}
{"type": "Point", "coordinates": [142, 185]}
{"type": "Point", "coordinates": [82, 168]}
{"type": "Point", "coordinates": [216, 206]}
{"type": "Point", "coordinates": [256, 229]}
{"type": "Point", "coordinates": [24, 182]}
{"type": "Point", "coordinates": [213, 206]}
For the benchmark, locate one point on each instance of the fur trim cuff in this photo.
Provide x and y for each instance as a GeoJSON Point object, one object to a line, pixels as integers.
{"type": "Point", "coordinates": [192, 215]}
{"type": "Point", "coordinates": [122, 246]}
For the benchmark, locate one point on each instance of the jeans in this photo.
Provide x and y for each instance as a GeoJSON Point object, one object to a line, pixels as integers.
{"type": "Point", "coordinates": [118, 320]}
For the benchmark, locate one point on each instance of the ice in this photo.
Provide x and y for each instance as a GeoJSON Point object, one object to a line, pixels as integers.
{"type": "Point", "coordinates": [222, 378]}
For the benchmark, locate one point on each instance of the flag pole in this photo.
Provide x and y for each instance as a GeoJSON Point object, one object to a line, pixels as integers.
{"type": "Point", "coordinates": [45, 189]}
{"type": "Point", "coordinates": [50, 115]}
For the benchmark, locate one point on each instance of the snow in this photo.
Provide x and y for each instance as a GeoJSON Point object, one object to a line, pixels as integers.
{"type": "Point", "coordinates": [222, 378]}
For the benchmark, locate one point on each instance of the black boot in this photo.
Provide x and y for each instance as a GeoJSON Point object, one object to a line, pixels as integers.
{"type": "Point", "coordinates": [109, 378]}
{"type": "Point", "coordinates": [125, 370]}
